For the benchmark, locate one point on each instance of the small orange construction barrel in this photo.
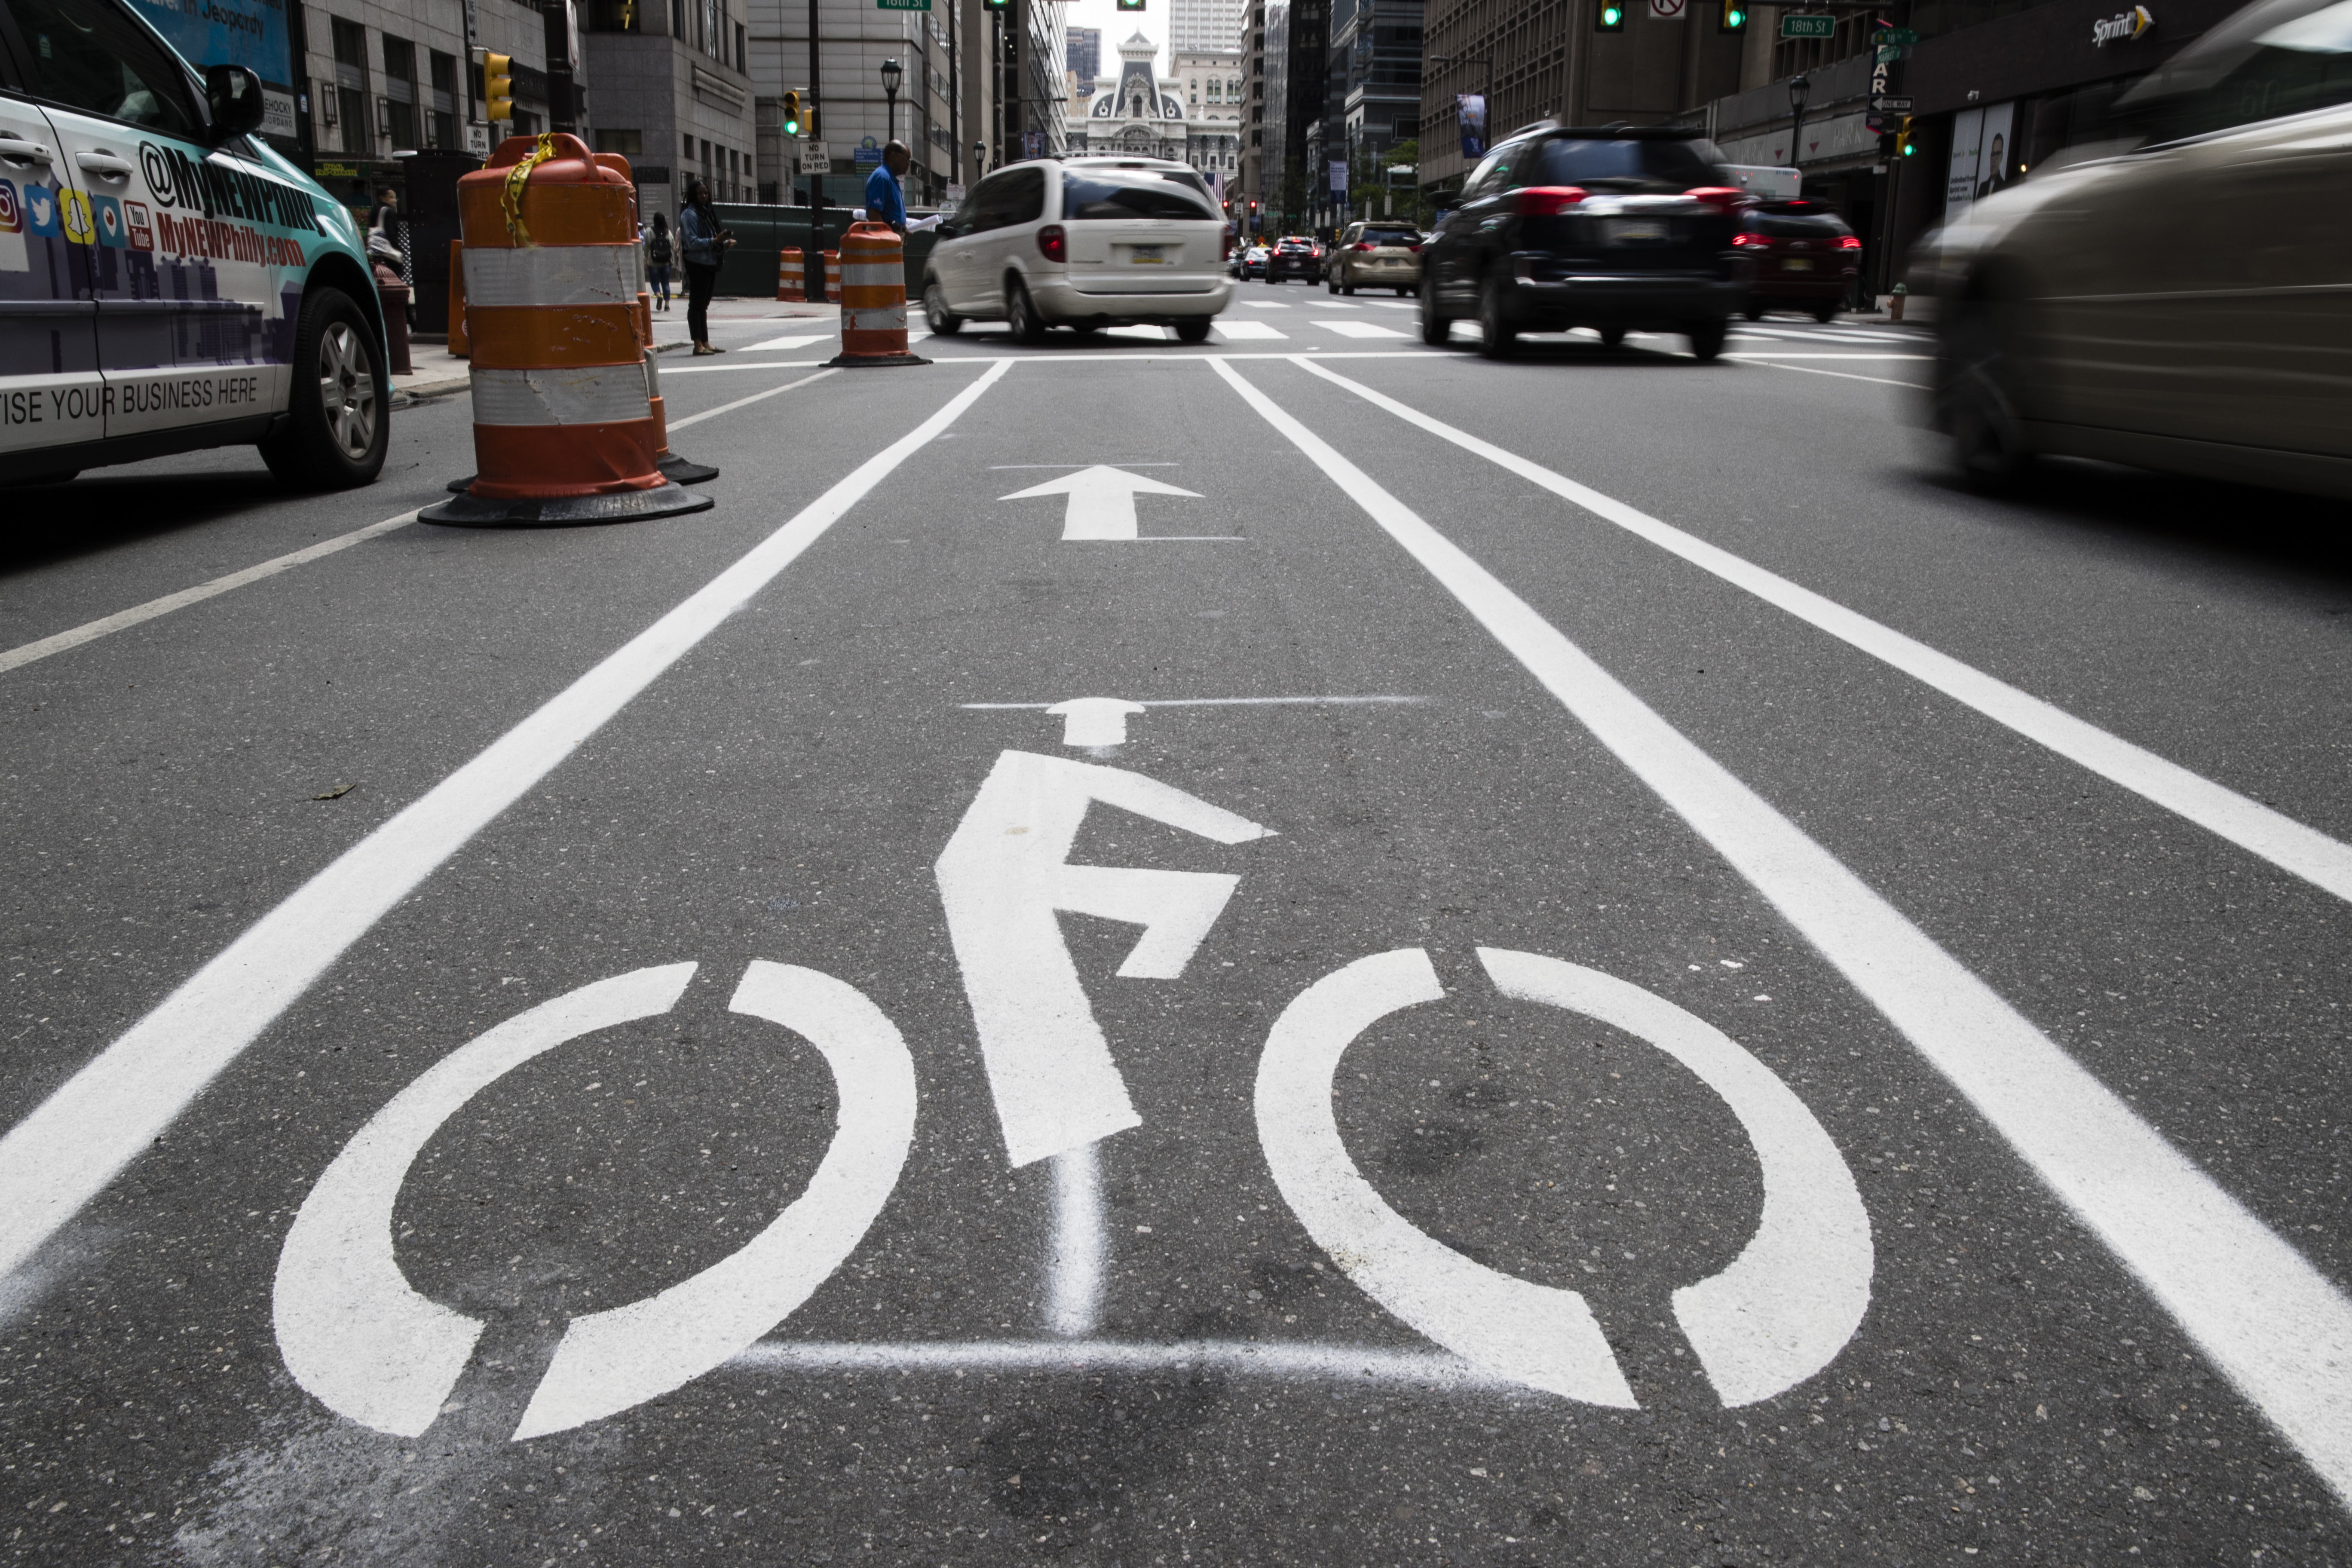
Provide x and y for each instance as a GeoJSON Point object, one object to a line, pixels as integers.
{"type": "Point", "coordinates": [565, 427]}
{"type": "Point", "coordinates": [788, 275]}
{"type": "Point", "coordinates": [874, 297]}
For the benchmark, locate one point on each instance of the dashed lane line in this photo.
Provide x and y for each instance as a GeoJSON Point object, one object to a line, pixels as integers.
{"type": "Point", "coordinates": [755, 397]}
{"type": "Point", "coordinates": [2304, 852]}
{"type": "Point", "coordinates": [1776, 364]}
{"type": "Point", "coordinates": [91, 631]}
{"type": "Point", "coordinates": [75, 1142]}
{"type": "Point", "coordinates": [2274, 1324]}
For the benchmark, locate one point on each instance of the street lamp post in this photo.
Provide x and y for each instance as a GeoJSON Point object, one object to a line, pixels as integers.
{"type": "Point", "coordinates": [892, 71]}
{"type": "Point", "coordinates": [1800, 89]}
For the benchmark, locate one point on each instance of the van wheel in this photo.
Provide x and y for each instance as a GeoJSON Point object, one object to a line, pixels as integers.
{"type": "Point", "coordinates": [1610, 337]}
{"type": "Point", "coordinates": [1987, 433]}
{"type": "Point", "coordinates": [944, 322]}
{"type": "Point", "coordinates": [1193, 330]}
{"type": "Point", "coordinates": [1021, 315]}
{"type": "Point", "coordinates": [1753, 312]}
{"type": "Point", "coordinates": [1826, 312]}
{"type": "Point", "coordinates": [1705, 340]}
{"type": "Point", "coordinates": [337, 428]}
{"type": "Point", "coordinates": [1348, 290]}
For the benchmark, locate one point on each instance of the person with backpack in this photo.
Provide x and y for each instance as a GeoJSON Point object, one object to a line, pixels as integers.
{"type": "Point", "coordinates": [659, 256]}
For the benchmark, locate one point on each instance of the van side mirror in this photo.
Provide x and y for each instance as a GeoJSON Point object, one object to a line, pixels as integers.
{"type": "Point", "coordinates": [234, 95]}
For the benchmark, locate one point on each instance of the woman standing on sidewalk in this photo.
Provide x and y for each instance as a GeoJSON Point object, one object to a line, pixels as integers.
{"type": "Point", "coordinates": [705, 244]}
{"type": "Point", "coordinates": [659, 256]}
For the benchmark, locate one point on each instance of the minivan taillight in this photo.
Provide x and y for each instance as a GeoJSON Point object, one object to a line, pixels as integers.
{"type": "Point", "coordinates": [1723, 198]}
{"type": "Point", "coordinates": [1053, 242]}
{"type": "Point", "coordinates": [1549, 201]}
{"type": "Point", "coordinates": [1748, 240]}
{"type": "Point", "coordinates": [1226, 252]}
{"type": "Point", "coordinates": [1850, 242]}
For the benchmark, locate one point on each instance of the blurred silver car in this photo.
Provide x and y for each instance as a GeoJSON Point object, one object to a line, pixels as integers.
{"type": "Point", "coordinates": [2181, 298]}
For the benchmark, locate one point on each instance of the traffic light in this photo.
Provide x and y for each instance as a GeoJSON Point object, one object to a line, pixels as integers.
{"type": "Point", "coordinates": [1131, 5]}
{"type": "Point", "coordinates": [793, 113]}
{"type": "Point", "coordinates": [996, 5]}
{"type": "Point", "coordinates": [1734, 19]}
{"type": "Point", "coordinates": [1610, 18]}
{"type": "Point", "coordinates": [497, 87]}
{"type": "Point", "coordinates": [1903, 146]}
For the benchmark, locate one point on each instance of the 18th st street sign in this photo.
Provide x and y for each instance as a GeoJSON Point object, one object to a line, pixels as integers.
{"type": "Point", "coordinates": [1804, 27]}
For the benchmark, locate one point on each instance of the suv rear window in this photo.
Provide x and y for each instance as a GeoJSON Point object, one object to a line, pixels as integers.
{"type": "Point", "coordinates": [1100, 193]}
{"type": "Point", "coordinates": [1624, 165]}
{"type": "Point", "coordinates": [1392, 236]}
{"type": "Point", "coordinates": [1798, 220]}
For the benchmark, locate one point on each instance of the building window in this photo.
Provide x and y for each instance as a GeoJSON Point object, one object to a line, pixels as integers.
{"type": "Point", "coordinates": [350, 87]}
{"type": "Point", "coordinates": [400, 93]}
{"type": "Point", "coordinates": [613, 16]}
{"type": "Point", "coordinates": [444, 123]}
{"type": "Point", "coordinates": [678, 18]}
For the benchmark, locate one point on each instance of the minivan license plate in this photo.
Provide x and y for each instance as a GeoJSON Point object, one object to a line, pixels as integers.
{"type": "Point", "coordinates": [1148, 255]}
{"type": "Point", "coordinates": [1624, 229]}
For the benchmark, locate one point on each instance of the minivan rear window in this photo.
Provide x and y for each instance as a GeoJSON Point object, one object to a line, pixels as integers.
{"type": "Point", "coordinates": [1109, 193]}
{"type": "Point", "coordinates": [1631, 164]}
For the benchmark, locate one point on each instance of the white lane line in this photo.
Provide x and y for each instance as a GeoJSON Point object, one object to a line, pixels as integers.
{"type": "Point", "coordinates": [1267, 304]}
{"type": "Point", "coordinates": [745, 364]}
{"type": "Point", "coordinates": [1840, 375]}
{"type": "Point", "coordinates": [1357, 1365]}
{"type": "Point", "coordinates": [1221, 702]}
{"type": "Point", "coordinates": [65, 1152]}
{"type": "Point", "coordinates": [730, 407]}
{"type": "Point", "coordinates": [24, 654]}
{"type": "Point", "coordinates": [1360, 330]}
{"type": "Point", "coordinates": [2273, 1323]}
{"type": "Point", "coordinates": [1808, 353]}
{"type": "Point", "coordinates": [2305, 852]}
{"type": "Point", "coordinates": [1073, 1281]}
{"type": "Point", "coordinates": [799, 340]}
{"type": "Point", "coordinates": [1235, 331]}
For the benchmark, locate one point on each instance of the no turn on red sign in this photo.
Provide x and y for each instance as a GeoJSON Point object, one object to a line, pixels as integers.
{"type": "Point", "coordinates": [1668, 10]}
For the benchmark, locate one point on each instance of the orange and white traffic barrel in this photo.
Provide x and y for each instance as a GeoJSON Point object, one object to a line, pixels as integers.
{"type": "Point", "coordinates": [564, 424]}
{"type": "Point", "coordinates": [874, 297]}
{"type": "Point", "coordinates": [788, 275]}
{"type": "Point", "coordinates": [833, 276]}
{"type": "Point", "coordinates": [458, 298]}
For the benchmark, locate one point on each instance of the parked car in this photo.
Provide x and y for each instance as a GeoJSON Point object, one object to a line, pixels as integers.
{"type": "Point", "coordinates": [1375, 255]}
{"type": "Point", "coordinates": [167, 280]}
{"type": "Point", "coordinates": [1293, 255]}
{"type": "Point", "coordinates": [1804, 258]}
{"type": "Point", "coordinates": [1253, 261]}
{"type": "Point", "coordinates": [1083, 243]}
{"type": "Point", "coordinates": [1617, 227]}
{"type": "Point", "coordinates": [2180, 305]}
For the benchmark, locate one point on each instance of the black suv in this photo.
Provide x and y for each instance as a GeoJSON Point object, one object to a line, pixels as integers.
{"type": "Point", "coordinates": [1293, 257]}
{"type": "Point", "coordinates": [1614, 227]}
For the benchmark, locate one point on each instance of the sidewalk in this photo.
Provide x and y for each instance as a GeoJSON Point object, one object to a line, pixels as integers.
{"type": "Point", "coordinates": [435, 369]}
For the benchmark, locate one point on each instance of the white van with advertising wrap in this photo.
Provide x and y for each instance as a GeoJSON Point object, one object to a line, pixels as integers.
{"type": "Point", "coordinates": [167, 280]}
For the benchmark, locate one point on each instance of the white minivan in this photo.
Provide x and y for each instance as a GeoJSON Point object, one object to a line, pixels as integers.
{"type": "Point", "coordinates": [1083, 243]}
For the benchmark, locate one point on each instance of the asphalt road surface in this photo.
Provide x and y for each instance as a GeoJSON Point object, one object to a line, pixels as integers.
{"type": "Point", "coordinates": [1309, 950]}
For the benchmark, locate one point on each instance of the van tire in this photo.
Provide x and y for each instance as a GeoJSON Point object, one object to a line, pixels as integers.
{"type": "Point", "coordinates": [1021, 316]}
{"type": "Point", "coordinates": [943, 322]}
{"type": "Point", "coordinates": [338, 415]}
{"type": "Point", "coordinates": [1193, 330]}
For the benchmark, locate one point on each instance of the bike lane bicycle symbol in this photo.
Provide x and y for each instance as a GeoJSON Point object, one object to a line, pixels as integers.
{"type": "Point", "coordinates": [367, 1344]}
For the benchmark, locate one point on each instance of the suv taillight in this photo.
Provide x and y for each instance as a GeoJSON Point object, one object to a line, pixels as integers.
{"type": "Point", "coordinates": [1365, 245]}
{"type": "Point", "coordinates": [1053, 242]}
{"type": "Point", "coordinates": [1227, 253]}
{"type": "Point", "coordinates": [1723, 198]}
{"type": "Point", "coordinates": [1549, 201]}
{"type": "Point", "coordinates": [1744, 240]}
{"type": "Point", "coordinates": [1850, 242]}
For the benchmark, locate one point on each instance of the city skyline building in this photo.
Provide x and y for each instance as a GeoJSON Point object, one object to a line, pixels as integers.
{"type": "Point", "coordinates": [1204, 27]}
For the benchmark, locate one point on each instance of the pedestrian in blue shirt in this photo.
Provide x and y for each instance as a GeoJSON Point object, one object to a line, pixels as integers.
{"type": "Point", "coordinates": [702, 244]}
{"type": "Point", "coordinates": [886, 201]}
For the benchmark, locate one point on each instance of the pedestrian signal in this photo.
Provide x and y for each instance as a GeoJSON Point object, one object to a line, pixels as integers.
{"type": "Point", "coordinates": [497, 87]}
{"type": "Point", "coordinates": [791, 114]}
{"type": "Point", "coordinates": [1610, 18]}
{"type": "Point", "coordinates": [1734, 19]}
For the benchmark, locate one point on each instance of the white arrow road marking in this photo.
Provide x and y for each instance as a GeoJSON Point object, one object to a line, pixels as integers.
{"type": "Point", "coordinates": [1003, 877]}
{"type": "Point", "coordinates": [1094, 720]}
{"type": "Point", "coordinates": [1102, 501]}
{"type": "Point", "coordinates": [1543, 1337]}
{"type": "Point", "coordinates": [1783, 1308]}
{"type": "Point", "coordinates": [611, 1360]}
{"type": "Point", "coordinates": [2276, 1325]}
{"type": "Point", "coordinates": [62, 1155]}
{"type": "Point", "coordinates": [353, 1330]}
